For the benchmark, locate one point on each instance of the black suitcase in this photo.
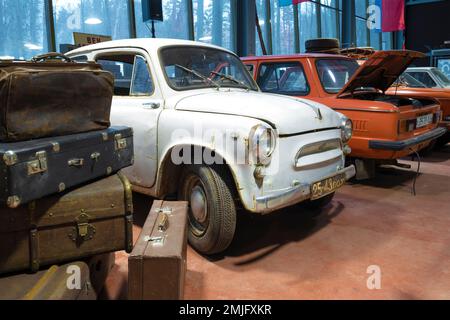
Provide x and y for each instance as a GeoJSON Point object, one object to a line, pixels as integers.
{"type": "Point", "coordinates": [33, 169]}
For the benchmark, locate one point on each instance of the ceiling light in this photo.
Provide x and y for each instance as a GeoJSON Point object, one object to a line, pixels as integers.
{"type": "Point", "coordinates": [93, 21]}
{"type": "Point", "coordinates": [32, 46]}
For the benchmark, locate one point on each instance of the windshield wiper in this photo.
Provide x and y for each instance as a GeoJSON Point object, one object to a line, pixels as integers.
{"type": "Point", "coordinates": [224, 76]}
{"type": "Point", "coordinates": [198, 75]}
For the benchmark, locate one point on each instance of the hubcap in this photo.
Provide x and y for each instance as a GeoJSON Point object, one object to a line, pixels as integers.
{"type": "Point", "coordinates": [198, 204]}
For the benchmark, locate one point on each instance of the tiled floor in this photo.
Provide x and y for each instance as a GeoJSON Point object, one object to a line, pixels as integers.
{"type": "Point", "coordinates": [377, 223]}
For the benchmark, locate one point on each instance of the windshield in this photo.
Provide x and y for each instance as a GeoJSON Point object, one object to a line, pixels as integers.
{"type": "Point", "coordinates": [190, 67]}
{"type": "Point", "coordinates": [335, 73]}
{"type": "Point", "coordinates": [441, 76]}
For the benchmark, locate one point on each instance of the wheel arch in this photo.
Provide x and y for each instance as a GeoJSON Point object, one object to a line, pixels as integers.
{"type": "Point", "coordinates": [169, 173]}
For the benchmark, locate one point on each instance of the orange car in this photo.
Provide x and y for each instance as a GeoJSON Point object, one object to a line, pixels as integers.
{"type": "Point", "coordinates": [440, 94]}
{"type": "Point", "coordinates": [386, 127]}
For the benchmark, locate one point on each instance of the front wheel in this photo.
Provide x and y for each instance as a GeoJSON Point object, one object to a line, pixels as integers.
{"type": "Point", "coordinates": [212, 211]}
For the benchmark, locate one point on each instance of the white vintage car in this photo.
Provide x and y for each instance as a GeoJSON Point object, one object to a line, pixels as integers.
{"type": "Point", "coordinates": [204, 131]}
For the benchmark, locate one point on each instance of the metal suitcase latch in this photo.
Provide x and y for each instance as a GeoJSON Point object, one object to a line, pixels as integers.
{"type": "Point", "coordinates": [121, 143]}
{"type": "Point", "coordinates": [162, 222]}
{"type": "Point", "coordinates": [76, 162]}
{"type": "Point", "coordinates": [83, 231]}
{"type": "Point", "coordinates": [39, 165]}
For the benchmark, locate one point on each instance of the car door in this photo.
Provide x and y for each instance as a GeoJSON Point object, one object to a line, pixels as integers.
{"type": "Point", "coordinates": [137, 103]}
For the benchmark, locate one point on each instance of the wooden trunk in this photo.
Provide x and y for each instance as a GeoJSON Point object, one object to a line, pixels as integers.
{"type": "Point", "coordinates": [93, 219]}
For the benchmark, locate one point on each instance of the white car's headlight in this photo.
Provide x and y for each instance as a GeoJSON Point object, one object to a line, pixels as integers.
{"type": "Point", "coordinates": [263, 142]}
{"type": "Point", "coordinates": [346, 130]}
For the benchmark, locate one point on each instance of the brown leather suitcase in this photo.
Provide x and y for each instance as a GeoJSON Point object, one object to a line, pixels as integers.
{"type": "Point", "coordinates": [90, 220]}
{"type": "Point", "coordinates": [50, 284]}
{"type": "Point", "coordinates": [53, 96]}
{"type": "Point", "coordinates": [157, 265]}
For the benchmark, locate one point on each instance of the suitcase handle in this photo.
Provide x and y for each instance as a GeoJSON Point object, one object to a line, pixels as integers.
{"type": "Point", "coordinates": [51, 56]}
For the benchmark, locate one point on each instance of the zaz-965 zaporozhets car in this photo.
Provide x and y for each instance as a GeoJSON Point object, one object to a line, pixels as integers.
{"type": "Point", "coordinates": [386, 126]}
{"type": "Point", "coordinates": [204, 131]}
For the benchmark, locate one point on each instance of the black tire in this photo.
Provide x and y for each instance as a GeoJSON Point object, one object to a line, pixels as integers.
{"type": "Point", "coordinates": [314, 45]}
{"type": "Point", "coordinates": [212, 230]}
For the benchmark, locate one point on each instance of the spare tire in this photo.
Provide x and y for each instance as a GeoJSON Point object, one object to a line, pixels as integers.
{"type": "Point", "coordinates": [318, 45]}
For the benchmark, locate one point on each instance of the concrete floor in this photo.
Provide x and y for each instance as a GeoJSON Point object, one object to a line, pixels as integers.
{"type": "Point", "coordinates": [285, 256]}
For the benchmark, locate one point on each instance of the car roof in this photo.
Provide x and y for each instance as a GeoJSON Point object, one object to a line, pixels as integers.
{"type": "Point", "coordinates": [420, 68]}
{"type": "Point", "coordinates": [294, 56]}
{"type": "Point", "coordinates": [143, 43]}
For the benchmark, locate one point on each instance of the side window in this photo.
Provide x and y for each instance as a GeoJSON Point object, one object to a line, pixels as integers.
{"type": "Point", "coordinates": [284, 78]}
{"type": "Point", "coordinates": [142, 84]}
{"type": "Point", "coordinates": [425, 78]}
{"type": "Point", "coordinates": [250, 68]}
{"type": "Point", "coordinates": [131, 74]}
{"type": "Point", "coordinates": [80, 58]}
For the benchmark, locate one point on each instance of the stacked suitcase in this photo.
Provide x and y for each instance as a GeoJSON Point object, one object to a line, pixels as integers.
{"type": "Point", "coordinates": [62, 197]}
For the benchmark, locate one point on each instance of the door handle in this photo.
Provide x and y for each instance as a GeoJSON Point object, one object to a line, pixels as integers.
{"type": "Point", "coordinates": [151, 105]}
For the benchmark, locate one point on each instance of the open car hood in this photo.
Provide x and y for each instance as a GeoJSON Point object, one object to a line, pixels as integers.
{"type": "Point", "coordinates": [381, 70]}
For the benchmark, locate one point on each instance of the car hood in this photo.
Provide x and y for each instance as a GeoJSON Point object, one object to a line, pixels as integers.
{"type": "Point", "coordinates": [381, 70]}
{"type": "Point", "coordinates": [288, 115]}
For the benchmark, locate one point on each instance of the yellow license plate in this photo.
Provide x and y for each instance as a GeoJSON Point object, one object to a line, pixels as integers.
{"type": "Point", "coordinates": [325, 187]}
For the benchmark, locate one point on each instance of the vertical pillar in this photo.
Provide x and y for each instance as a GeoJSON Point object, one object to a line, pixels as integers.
{"type": "Point", "coordinates": [348, 23]}
{"type": "Point", "coordinates": [246, 41]}
{"type": "Point", "coordinates": [51, 40]}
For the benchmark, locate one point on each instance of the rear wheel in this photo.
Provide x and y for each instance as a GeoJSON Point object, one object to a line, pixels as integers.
{"type": "Point", "coordinates": [212, 211]}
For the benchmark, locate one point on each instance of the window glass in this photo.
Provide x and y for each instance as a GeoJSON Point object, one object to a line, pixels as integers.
{"type": "Point", "coordinates": [261, 10]}
{"type": "Point", "coordinates": [282, 28]}
{"type": "Point", "coordinates": [335, 73]}
{"type": "Point", "coordinates": [142, 84]}
{"type": "Point", "coordinates": [361, 32]}
{"type": "Point", "coordinates": [329, 23]}
{"type": "Point", "coordinates": [408, 81]}
{"type": "Point", "coordinates": [441, 76]}
{"type": "Point", "coordinates": [213, 22]}
{"type": "Point", "coordinates": [100, 17]}
{"type": "Point", "coordinates": [283, 78]}
{"type": "Point", "coordinates": [121, 66]}
{"type": "Point", "coordinates": [386, 41]}
{"type": "Point", "coordinates": [200, 68]}
{"type": "Point", "coordinates": [175, 23]}
{"type": "Point", "coordinates": [443, 64]}
{"type": "Point", "coordinates": [23, 31]}
{"type": "Point", "coordinates": [308, 23]}
{"type": "Point", "coordinates": [425, 78]}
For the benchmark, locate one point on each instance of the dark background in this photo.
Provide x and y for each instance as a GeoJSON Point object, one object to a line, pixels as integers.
{"type": "Point", "coordinates": [427, 25]}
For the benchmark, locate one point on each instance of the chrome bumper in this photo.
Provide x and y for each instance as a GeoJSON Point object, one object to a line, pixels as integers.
{"type": "Point", "coordinates": [286, 197]}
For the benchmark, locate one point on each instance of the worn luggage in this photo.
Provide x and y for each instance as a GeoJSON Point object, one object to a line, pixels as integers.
{"type": "Point", "coordinates": [66, 282]}
{"type": "Point", "coordinates": [157, 265]}
{"type": "Point", "coordinates": [33, 169]}
{"type": "Point", "coordinates": [93, 219]}
{"type": "Point", "coordinates": [49, 97]}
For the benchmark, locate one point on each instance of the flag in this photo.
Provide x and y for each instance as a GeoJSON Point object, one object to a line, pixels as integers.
{"type": "Point", "coordinates": [392, 15]}
{"type": "Point", "coordinates": [284, 3]}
